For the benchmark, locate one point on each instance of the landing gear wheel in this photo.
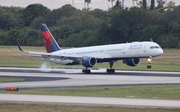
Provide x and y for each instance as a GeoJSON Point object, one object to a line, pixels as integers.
{"type": "Point", "coordinates": [148, 67]}
{"type": "Point", "coordinates": [110, 70]}
{"type": "Point", "coordinates": [86, 71]}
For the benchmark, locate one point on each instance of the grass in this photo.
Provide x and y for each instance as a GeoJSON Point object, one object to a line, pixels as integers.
{"type": "Point", "coordinates": [150, 92]}
{"type": "Point", "coordinates": [11, 56]}
{"type": "Point", "coordinates": [11, 79]}
{"type": "Point", "coordinates": [11, 107]}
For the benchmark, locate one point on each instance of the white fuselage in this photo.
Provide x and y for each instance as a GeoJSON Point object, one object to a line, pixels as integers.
{"type": "Point", "coordinates": [111, 52]}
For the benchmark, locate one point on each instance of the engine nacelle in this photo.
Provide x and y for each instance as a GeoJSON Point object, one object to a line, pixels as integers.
{"type": "Point", "coordinates": [132, 62]}
{"type": "Point", "coordinates": [89, 61]}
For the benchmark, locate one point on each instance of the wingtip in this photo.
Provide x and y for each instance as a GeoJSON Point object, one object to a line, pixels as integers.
{"type": "Point", "coordinates": [19, 46]}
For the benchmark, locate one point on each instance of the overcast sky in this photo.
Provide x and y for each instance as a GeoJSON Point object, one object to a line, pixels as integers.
{"type": "Point", "coordinates": [54, 4]}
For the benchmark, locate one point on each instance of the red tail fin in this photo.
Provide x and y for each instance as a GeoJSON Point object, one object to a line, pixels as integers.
{"type": "Point", "coordinates": [49, 41]}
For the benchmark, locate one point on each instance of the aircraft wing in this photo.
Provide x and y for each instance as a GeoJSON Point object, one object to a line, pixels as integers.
{"type": "Point", "coordinates": [63, 56]}
{"type": "Point", "coordinates": [57, 56]}
{"type": "Point", "coordinates": [70, 57]}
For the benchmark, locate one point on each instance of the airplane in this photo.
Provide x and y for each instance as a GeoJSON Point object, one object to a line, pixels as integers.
{"type": "Point", "coordinates": [130, 53]}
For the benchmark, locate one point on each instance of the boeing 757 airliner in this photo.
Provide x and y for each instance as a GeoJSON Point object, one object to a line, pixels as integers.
{"type": "Point", "coordinates": [130, 53]}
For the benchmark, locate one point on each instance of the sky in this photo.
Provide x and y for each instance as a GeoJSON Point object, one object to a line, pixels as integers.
{"type": "Point", "coordinates": [54, 4]}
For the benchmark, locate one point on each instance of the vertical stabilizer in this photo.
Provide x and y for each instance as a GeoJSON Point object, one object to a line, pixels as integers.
{"type": "Point", "coordinates": [49, 41]}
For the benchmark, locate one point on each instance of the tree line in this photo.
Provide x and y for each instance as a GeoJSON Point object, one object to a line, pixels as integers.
{"type": "Point", "coordinates": [73, 27]}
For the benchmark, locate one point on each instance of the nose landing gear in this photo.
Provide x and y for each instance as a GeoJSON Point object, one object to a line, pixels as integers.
{"type": "Point", "coordinates": [149, 63]}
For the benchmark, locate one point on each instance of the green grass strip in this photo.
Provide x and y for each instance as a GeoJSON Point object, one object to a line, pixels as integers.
{"type": "Point", "coordinates": [11, 80]}
{"type": "Point", "coordinates": [152, 92]}
{"type": "Point", "coordinates": [11, 107]}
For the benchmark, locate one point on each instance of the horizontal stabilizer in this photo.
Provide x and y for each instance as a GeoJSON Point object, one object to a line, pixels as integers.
{"type": "Point", "coordinates": [19, 46]}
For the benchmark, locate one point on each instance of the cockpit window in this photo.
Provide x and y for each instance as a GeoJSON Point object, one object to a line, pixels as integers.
{"type": "Point", "coordinates": [154, 47]}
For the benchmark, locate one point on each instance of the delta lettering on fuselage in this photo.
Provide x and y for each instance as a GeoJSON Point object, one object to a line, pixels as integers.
{"type": "Point", "coordinates": [136, 46]}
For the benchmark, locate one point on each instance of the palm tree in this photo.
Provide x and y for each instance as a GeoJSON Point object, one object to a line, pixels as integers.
{"type": "Point", "coordinates": [152, 4]}
{"type": "Point", "coordinates": [144, 4]}
{"type": "Point", "coordinates": [87, 2]}
{"type": "Point", "coordinates": [111, 2]}
{"type": "Point", "coordinates": [160, 3]}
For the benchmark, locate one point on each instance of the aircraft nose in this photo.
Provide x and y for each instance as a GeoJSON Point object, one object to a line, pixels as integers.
{"type": "Point", "coordinates": [161, 51]}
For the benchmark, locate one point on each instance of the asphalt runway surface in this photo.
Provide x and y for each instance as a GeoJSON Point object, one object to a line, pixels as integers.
{"type": "Point", "coordinates": [45, 78]}
{"type": "Point", "coordinates": [48, 78]}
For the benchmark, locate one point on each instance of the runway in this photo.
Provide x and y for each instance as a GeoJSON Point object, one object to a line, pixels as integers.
{"type": "Point", "coordinates": [74, 78]}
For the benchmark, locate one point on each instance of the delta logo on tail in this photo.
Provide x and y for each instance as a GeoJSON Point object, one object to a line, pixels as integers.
{"type": "Point", "coordinates": [49, 40]}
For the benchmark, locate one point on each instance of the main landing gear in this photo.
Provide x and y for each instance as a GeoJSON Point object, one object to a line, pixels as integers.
{"type": "Point", "coordinates": [110, 70]}
{"type": "Point", "coordinates": [149, 63]}
{"type": "Point", "coordinates": [86, 71]}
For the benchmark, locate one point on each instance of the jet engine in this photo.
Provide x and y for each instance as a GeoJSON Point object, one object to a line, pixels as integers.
{"type": "Point", "coordinates": [132, 62]}
{"type": "Point", "coordinates": [89, 61]}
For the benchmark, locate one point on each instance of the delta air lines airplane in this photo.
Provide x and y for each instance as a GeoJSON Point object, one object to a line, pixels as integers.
{"type": "Point", "coordinates": [130, 53]}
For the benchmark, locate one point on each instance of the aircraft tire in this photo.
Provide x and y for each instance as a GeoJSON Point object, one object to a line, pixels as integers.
{"type": "Point", "coordinates": [110, 70]}
{"type": "Point", "coordinates": [148, 67]}
{"type": "Point", "coordinates": [86, 71]}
